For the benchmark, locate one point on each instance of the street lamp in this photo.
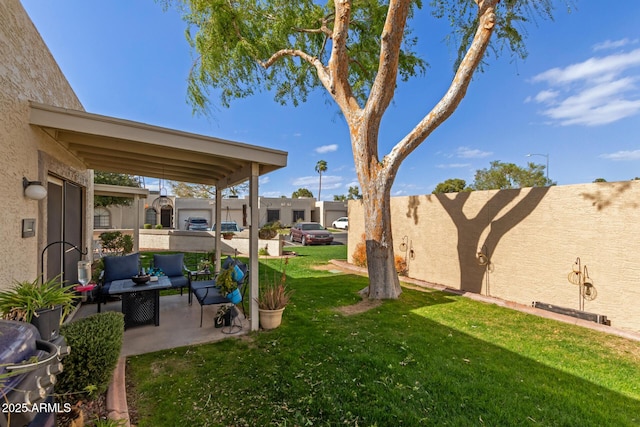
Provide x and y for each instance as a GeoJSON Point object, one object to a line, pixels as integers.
{"type": "Point", "coordinates": [543, 155]}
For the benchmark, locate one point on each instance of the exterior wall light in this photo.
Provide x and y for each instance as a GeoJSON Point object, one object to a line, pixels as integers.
{"type": "Point", "coordinates": [33, 189]}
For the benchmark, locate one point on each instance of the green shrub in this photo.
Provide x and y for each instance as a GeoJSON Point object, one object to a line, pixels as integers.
{"type": "Point", "coordinates": [127, 243]}
{"type": "Point", "coordinates": [115, 241]}
{"type": "Point", "coordinates": [147, 226]}
{"type": "Point", "coordinates": [159, 226]}
{"type": "Point", "coordinates": [95, 343]}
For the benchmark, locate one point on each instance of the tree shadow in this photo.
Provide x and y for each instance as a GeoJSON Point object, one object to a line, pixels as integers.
{"type": "Point", "coordinates": [603, 199]}
{"type": "Point", "coordinates": [471, 230]}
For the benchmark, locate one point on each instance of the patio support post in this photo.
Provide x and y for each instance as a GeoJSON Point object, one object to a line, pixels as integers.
{"type": "Point", "coordinates": [136, 225]}
{"type": "Point", "coordinates": [217, 220]}
{"type": "Point", "coordinates": [253, 245]}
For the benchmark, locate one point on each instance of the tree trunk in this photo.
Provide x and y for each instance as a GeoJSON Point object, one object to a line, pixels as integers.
{"type": "Point", "coordinates": [383, 278]}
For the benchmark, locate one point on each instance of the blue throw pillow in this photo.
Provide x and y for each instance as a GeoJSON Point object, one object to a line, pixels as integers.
{"type": "Point", "coordinates": [120, 267]}
{"type": "Point", "coordinates": [171, 265]}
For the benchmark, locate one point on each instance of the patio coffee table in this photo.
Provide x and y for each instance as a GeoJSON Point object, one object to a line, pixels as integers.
{"type": "Point", "coordinates": [140, 303]}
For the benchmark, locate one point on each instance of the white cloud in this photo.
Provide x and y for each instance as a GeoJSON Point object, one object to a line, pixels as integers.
{"type": "Point", "coordinates": [546, 96]}
{"type": "Point", "coordinates": [594, 92]}
{"type": "Point", "coordinates": [469, 153]}
{"type": "Point", "coordinates": [613, 44]}
{"type": "Point", "coordinates": [622, 155]}
{"type": "Point", "coordinates": [596, 105]}
{"type": "Point", "coordinates": [329, 182]}
{"type": "Point", "coordinates": [327, 148]}
{"type": "Point", "coordinates": [591, 68]}
{"type": "Point", "coordinates": [264, 180]}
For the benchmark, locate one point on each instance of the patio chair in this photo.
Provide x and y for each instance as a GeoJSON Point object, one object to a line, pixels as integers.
{"type": "Point", "coordinates": [115, 268]}
{"type": "Point", "coordinates": [207, 293]}
{"type": "Point", "coordinates": [173, 267]}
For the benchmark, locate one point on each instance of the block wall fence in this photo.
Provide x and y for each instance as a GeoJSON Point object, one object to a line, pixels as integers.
{"type": "Point", "coordinates": [531, 238]}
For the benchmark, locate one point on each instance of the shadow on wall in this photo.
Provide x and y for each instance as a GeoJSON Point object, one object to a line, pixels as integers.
{"type": "Point", "coordinates": [470, 230]}
{"type": "Point", "coordinates": [602, 200]}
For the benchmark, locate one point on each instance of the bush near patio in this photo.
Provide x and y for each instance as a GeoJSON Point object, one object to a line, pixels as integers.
{"type": "Point", "coordinates": [429, 358]}
{"type": "Point", "coordinates": [95, 343]}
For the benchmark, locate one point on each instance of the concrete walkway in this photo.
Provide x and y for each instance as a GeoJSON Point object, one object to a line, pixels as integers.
{"type": "Point", "coordinates": [179, 326]}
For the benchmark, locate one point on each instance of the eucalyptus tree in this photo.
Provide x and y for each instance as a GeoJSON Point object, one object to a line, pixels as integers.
{"type": "Point", "coordinates": [321, 167]}
{"type": "Point", "coordinates": [357, 51]}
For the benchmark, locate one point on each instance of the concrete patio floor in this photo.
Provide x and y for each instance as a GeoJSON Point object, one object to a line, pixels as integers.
{"type": "Point", "coordinates": [179, 326]}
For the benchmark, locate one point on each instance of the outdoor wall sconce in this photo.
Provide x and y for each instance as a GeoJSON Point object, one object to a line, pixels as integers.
{"type": "Point", "coordinates": [33, 190]}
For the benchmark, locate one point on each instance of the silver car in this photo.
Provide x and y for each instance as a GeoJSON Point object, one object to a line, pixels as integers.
{"type": "Point", "coordinates": [195, 223]}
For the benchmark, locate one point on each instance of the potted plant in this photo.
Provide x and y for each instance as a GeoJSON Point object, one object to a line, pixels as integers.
{"type": "Point", "coordinates": [228, 286]}
{"type": "Point", "coordinates": [227, 235]}
{"type": "Point", "coordinates": [273, 299]}
{"type": "Point", "coordinates": [205, 265]}
{"type": "Point", "coordinates": [43, 304]}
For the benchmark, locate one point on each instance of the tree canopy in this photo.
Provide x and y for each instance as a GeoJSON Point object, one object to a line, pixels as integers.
{"type": "Point", "coordinates": [501, 176]}
{"type": "Point", "coordinates": [113, 178]}
{"type": "Point", "coordinates": [301, 192]}
{"type": "Point", "coordinates": [203, 191]}
{"type": "Point", "coordinates": [353, 194]}
{"type": "Point", "coordinates": [451, 185]}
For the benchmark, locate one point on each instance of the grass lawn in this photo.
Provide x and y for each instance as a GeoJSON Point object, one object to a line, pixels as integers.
{"type": "Point", "coordinates": [429, 358]}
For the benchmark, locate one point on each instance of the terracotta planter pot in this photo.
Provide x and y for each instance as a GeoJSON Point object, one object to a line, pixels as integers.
{"type": "Point", "coordinates": [270, 319]}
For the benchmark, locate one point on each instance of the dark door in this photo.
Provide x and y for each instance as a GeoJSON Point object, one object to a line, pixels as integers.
{"type": "Point", "coordinates": [65, 219]}
{"type": "Point", "coordinates": [166, 214]}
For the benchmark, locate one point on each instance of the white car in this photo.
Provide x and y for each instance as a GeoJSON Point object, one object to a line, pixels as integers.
{"type": "Point", "coordinates": [342, 223]}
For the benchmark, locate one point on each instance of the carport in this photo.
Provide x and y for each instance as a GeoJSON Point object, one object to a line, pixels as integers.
{"type": "Point", "coordinates": [115, 145]}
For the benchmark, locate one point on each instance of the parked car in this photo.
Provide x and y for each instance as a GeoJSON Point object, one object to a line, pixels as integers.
{"type": "Point", "coordinates": [341, 223]}
{"type": "Point", "coordinates": [196, 223]}
{"type": "Point", "coordinates": [228, 227]}
{"type": "Point", "coordinates": [310, 233]}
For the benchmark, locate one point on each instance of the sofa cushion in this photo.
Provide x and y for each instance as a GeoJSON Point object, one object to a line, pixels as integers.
{"type": "Point", "coordinates": [171, 265]}
{"type": "Point", "coordinates": [120, 267]}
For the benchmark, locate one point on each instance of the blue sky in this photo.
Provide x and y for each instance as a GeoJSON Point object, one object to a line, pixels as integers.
{"type": "Point", "coordinates": [575, 98]}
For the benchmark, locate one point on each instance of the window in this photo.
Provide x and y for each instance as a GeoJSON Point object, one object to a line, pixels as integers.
{"type": "Point", "coordinates": [150, 216]}
{"type": "Point", "coordinates": [273, 215]}
{"type": "Point", "coordinates": [101, 218]}
{"type": "Point", "coordinates": [298, 216]}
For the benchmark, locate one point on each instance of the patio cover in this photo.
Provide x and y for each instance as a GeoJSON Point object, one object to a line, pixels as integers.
{"type": "Point", "coordinates": [115, 145]}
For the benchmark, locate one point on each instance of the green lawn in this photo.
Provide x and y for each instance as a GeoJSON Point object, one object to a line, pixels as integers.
{"type": "Point", "coordinates": [429, 358]}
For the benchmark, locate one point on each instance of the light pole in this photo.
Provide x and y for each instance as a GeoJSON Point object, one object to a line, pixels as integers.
{"type": "Point", "coordinates": [543, 155]}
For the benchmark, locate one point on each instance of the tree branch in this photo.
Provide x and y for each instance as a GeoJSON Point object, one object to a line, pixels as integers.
{"type": "Point", "coordinates": [454, 95]}
{"type": "Point", "coordinates": [383, 87]}
{"type": "Point", "coordinates": [338, 65]}
{"type": "Point", "coordinates": [314, 61]}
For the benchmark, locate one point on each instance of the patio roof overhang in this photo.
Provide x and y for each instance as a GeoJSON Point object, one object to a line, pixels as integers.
{"type": "Point", "coordinates": [115, 145]}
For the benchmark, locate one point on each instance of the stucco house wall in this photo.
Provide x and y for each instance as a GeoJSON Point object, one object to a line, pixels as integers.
{"type": "Point", "coordinates": [238, 210]}
{"type": "Point", "coordinates": [28, 72]}
{"type": "Point", "coordinates": [532, 238]}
